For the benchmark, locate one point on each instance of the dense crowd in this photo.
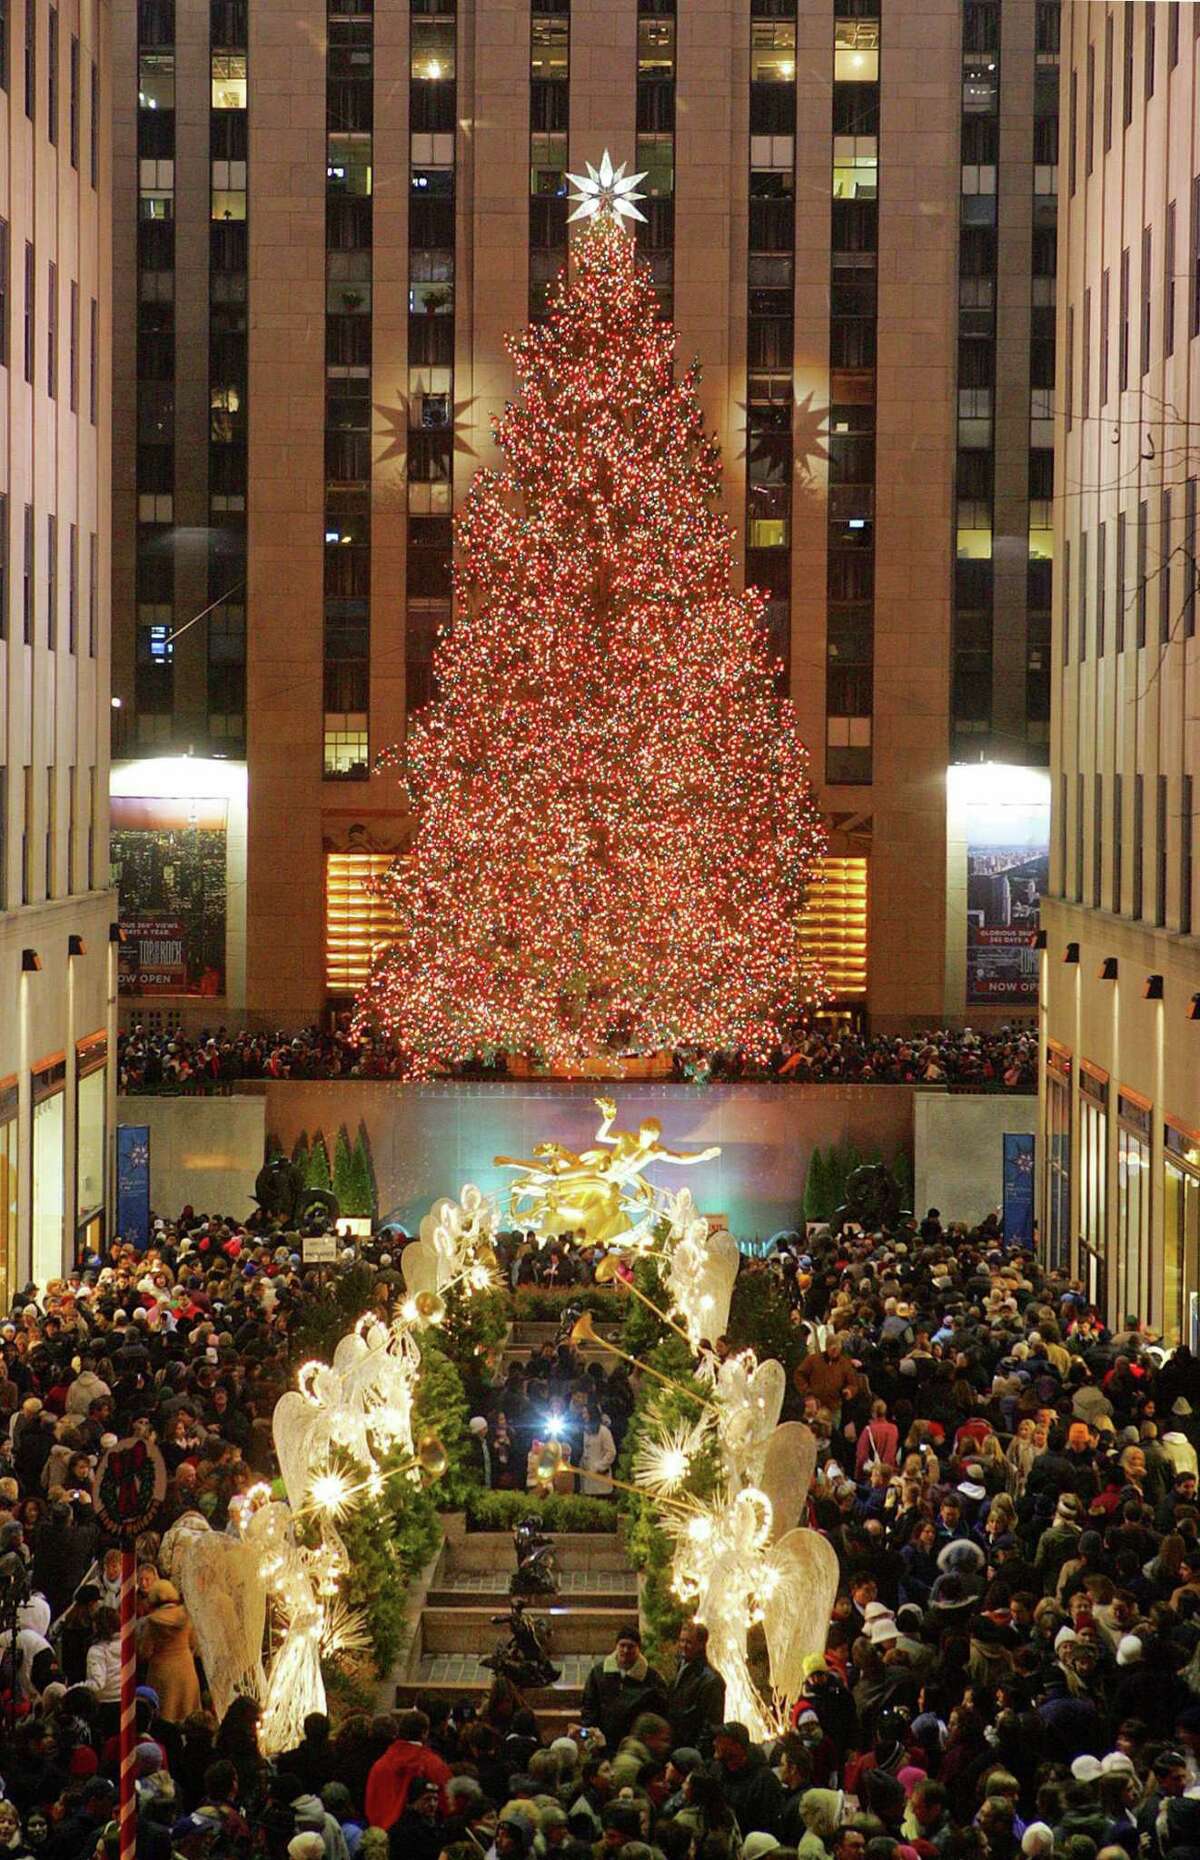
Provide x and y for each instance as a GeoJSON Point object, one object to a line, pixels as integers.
{"type": "Point", "coordinates": [1001, 1059]}
{"type": "Point", "coordinates": [1012, 1667]}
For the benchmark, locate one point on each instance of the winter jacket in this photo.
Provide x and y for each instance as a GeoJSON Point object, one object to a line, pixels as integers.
{"type": "Point", "coordinates": [754, 1793]}
{"type": "Point", "coordinates": [392, 1776]}
{"type": "Point", "coordinates": [695, 1705]}
{"type": "Point", "coordinates": [104, 1670]}
{"type": "Point", "coordinates": [614, 1696]}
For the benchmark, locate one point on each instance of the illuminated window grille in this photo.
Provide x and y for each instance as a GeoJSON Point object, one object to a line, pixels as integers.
{"type": "Point", "coordinates": [356, 920]}
{"type": "Point", "coordinates": [833, 930]}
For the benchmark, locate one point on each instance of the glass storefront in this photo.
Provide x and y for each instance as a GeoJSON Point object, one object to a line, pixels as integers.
{"type": "Point", "coordinates": [1058, 1158]}
{"type": "Point", "coordinates": [90, 1144]}
{"type": "Point", "coordinates": [1133, 1209]}
{"type": "Point", "coordinates": [1093, 1180]}
{"type": "Point", "coordinates": [48, 1210]}
{"type": "Point", "coordinates": [1181, 1235]}
{"type": "Point", "coordinates": [10, 1172]}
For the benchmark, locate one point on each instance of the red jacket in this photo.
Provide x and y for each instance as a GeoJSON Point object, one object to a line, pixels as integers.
{"type": "Point", "coordinates": [393, 1775]}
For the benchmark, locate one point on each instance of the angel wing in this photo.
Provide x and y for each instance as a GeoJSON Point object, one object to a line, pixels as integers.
{"type": "Point", "coordinates": [301, 1432]}
{"type": "Point", "coordinates": [225, 1595]}
{"type": "Point", "coordinates": [788, 1466]}
{"type": "Point", "coordinates": [751, 1401]}
{"type": "Point", "coordinates": [797, 1610]}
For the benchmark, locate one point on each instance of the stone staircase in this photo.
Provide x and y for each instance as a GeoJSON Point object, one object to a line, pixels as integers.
{"type": "Point", "coordinates": [451, 1613]}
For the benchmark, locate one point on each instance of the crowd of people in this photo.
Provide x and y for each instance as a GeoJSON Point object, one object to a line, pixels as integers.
{"type": "Point", "coordinates": [1012, 1667]}
{"type": "Point", "coordinates": [1002, 1059]}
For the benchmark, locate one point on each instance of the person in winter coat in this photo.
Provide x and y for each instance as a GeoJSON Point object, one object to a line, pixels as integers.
{"type": "Point", "coordinates": [622, 1686]}
{"type": "Point", "coordinates": [750, 1785]}
{"type": "Point", "coordinates": [403, 1762]}
{"type": "Point", "coordinates": [103, 1671]}
{"type": "Point", "coordinates": [696, 1695]}
{"type": "Point", "coordinates": [169, 1646]}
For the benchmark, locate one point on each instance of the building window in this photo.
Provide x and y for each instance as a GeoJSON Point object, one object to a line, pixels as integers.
{"type": "Point", "coordinates": [1150, 15]}
{"type": "Point", "coordinates": [1194, 264]}
{"type": "Point", "coordinates": [1143, 539]}
{"type": "Point", "coordinates": [94, 139]}
{"type": "Point", "coordinates": [1166, 552]}
{"type": "Point", "coordinates": [1147, 259]}
{"type": "Point", "coordinates": [1097, 840]}
{"type": "Point", "coordinates": [1189, 559]}
{"type": "Point", "coordinates": [1105, 281]}
{"type": "Point", "coordinates": [1133, 1206]}
{"type": "Point", "coordinates": [73, 351]}
{"type": "Point", "coordinates": [1083, 597]}
{"type": "Point", "coordinates": [1072, 127]}
{"type": "Point", "coordinates": [1123, 325]}
{"type": "Point", "coordinates": [1089, 112]}
{"type": "Point", "coordinates": [52, 332]}
{"type": "Point", "coordinates": [93, 592]}
{"type": "Point", "coordinates": [1093, 1169]}
{"type": "Point", "coordinates": [1118, 842]}
{"type": "Point", "coordinates": [4, 252]}
{"type": "Point", "coordinates": [1137, 904]}
{"type": "Point", "coordinates": [1127, 67]}
{"type": "Point", "coordinates": [5, 556]}
{"type": "Point", "coordinates": [1160, 851]}
{"type": "Point", "coordinates": [357, 918]}
{"type": "Point", "coordinates": [1101, 587]}
{"type": "Point", "coordinates": [3, 63]}
{"type": "Point", "coordinates": [1080, 790]}
{"type": "Point", "coordinates": [74, 101]}
{"type": "Point", "coordinates": [73, 591]}
{"type": "Point", "coordinates": [1058, 1158]}
{"type": "Point", "coordinates": [1181, 1230]}
{"type": "Point", "coordinates": [1169, 281]}
{"type": "Point", "coordinates": [52, 583]}
{"type": "Point", "coordinates": [1119, 607]}
{"type": "Point", "coordinates": [51, 74]}
{"type": "Point", "coordinates": [30, 56]}
{"type": "Point", "coordinates": [1108, 80]}
{"type": "Point", "coordinates": [30, 300]}
{"type": "Point", "coordinates": [93, 361]}
{"type": "Point", "coordinates": [27, 589]}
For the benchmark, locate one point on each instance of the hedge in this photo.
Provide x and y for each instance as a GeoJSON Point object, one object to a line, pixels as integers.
{"type": "Point", "coordinates": [556, 1511]}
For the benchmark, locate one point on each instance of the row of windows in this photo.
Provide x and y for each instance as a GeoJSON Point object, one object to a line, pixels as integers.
{"type": "Point", "coordinates": [64, 872]}
{"type": "Point", "coordinates": [53, 312]}
{"type": "Point", "coordinates": [53, 85]}
{"type": "Point", "coordinates": [1128, 16]}
{"type": "Point", "coordinates": [1119, 813]}
{"type": "Point", "coordinates": [225, 625]}
{"type": "Point", "coordinates": [1099, 607]}
{"type": "Point", "coordinates": [349, 115]}
{"type": "Point", "coordinates": [25, 559]}
{"type": "Point", "coordinates": [549, 122]}
{"type": "Point", "coordinates": [655, 143]}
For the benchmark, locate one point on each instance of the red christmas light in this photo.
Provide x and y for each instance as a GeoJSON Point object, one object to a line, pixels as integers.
{"type": "Point", "coordinates": [616, 826]}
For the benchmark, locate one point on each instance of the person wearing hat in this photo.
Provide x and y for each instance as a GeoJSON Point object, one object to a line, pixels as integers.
{"type": "Point", "coordinates": [1059, 1542]}
{"type": "Point", "coordinates": [621, 1686]}
{"type": "Point", "coordinates": [168, 1645]}
{"type": "Point", "coordinates": [749, 1784]}
{"type": "Point", "coordinates": [418, 1834]}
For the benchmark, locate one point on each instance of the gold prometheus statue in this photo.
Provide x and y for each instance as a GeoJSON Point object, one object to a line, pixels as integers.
{"type": "Point", "coordinates": [601, 1194]}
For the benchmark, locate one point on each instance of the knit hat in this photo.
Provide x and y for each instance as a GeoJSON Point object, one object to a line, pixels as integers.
{"type": "Point", "coordinates": [1117, 1763]}
{"type": "Point", "coordinates": [1038, 1838]}
{"type": "Point", "coordinates": [1129, 1650]}
{"type": "Point", "coordinates": [1087, 1769]}
{"type": "Point", "coordinates": [757, 1844]}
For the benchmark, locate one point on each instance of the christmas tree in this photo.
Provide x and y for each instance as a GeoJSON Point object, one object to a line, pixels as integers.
{"type": "Point", "coordinates": [615, 821]}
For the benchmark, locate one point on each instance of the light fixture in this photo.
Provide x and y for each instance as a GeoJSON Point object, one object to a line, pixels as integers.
{"type": "Point", "coordinates": [1072, 953]}
{"type": "Point", "coordinates": [115, 933]}
{"type": "Point", "coordinates": [76, 945]}
{"type": "Point", "coordinates": [115, 702]}
{"type": "Point", "coordinates": [1107, 972]}
{"type": "Point", "coordinates": [1193, 1011]}
{"type": "Point", "coordinates": [1040, 939]}
{"type": "Point", "coordinates": [31, 962]}
{"type": "Point", "coordinates": [1152, 988]}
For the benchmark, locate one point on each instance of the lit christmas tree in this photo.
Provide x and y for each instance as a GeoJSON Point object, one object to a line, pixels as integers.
{"type": "Point", "coordinates": [615, 822]}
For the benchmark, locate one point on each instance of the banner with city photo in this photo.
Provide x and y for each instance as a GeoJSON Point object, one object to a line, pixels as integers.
{"type": "Point", "coordinates": [168, 861]}
{"type": "Point", "coordinates": [1008, 868]}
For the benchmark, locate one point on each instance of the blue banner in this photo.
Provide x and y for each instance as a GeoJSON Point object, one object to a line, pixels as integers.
{"type": "Point", "coordinates": [1018, 1190]}
{"type": "Point", "coordinates": [133, 1184]}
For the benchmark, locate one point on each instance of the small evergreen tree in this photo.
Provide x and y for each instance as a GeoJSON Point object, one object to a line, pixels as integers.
{"type": "Point", "coordinates": [317, 1173]}
{"type": "Point", "coordinates": [343, 1172]}
{"type": "Point", "coordinates": [362, 1179]}
{"type": "Point", "coordinates": [300, 1154]}
{"type": "Point", "coordinates": [815, 1206]}
{"type": "Point", "coordinates": [903, 1172]}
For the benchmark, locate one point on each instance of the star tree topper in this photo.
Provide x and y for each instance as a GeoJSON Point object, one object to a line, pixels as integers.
{"type": "Point", "coordinates": [606, 190]}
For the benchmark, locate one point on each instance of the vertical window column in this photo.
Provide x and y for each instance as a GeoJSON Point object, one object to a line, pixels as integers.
{"type": "Point", "coordinates": [350, 106]}
{"type": "Point", "coordinates": [853, 331]}
{"type": "Point", "coordinates": [549, 122]}
{"type": "Point", "coordinates": [971, 702]}
{"type": "Point", "coordinates": [656, 143]}
{"type": "Point", "coordinates": [228, 324]}
{"type": "Point", "coordinates": [154, 671]}
{"type": "Point", "coordinates": [432, 113]}
{"type": "Point", "coordinates": [1041, 373]}
{"type": "Point", "coordinates": [770, 287]}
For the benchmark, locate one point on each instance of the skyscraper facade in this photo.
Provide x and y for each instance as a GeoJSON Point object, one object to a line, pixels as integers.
{"type": "Point", "coordinates": [56, 960]}
{"type": "Point", "coordinates": [329, 214]}
{"type": "Point", "coordinates": [1121, 966]}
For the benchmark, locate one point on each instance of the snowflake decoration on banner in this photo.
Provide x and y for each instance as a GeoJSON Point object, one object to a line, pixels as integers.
{"type": "Point", "coordinates": [606, 190]}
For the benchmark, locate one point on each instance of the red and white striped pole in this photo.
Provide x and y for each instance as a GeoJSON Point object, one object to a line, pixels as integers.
{"type": "Point", "coordinates": [127, 1813]}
